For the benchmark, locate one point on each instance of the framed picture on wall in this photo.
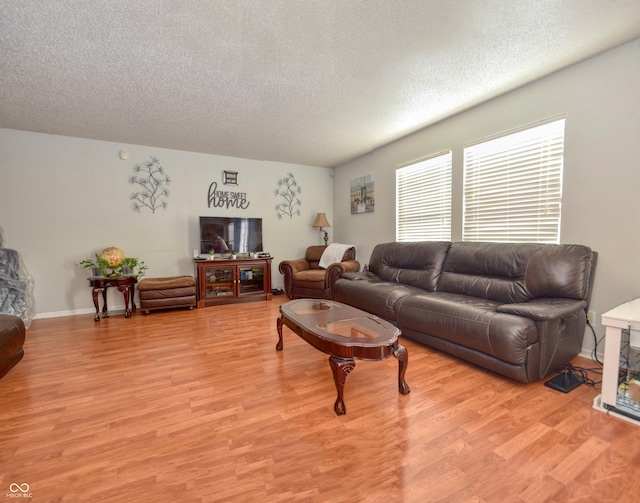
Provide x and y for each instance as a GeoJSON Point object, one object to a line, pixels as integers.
{"type": "Point", "coordinates": [362, 195]}
{"type": "Point", "coordinates": [230, 177]}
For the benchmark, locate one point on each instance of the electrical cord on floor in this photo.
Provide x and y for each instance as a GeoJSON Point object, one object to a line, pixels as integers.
{"type": "Point", "coordinates": [582, 374]}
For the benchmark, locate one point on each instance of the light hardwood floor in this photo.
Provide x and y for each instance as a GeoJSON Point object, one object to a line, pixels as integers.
{"type": "Point", "coordinates": [197, 406]}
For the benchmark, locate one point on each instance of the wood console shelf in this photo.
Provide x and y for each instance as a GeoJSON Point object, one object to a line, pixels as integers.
{"type": "Point", "coordinates": [229, 281]}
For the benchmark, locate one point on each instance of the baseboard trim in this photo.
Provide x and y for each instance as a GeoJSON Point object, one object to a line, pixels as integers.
{"type": "Point", "coordinates": [75, 312]}
{"type": "Point", "coordinates": [587, 353]}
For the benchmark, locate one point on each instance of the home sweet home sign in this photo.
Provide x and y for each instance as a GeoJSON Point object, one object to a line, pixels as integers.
{"type": "Point", "coordinates": [226, 199]}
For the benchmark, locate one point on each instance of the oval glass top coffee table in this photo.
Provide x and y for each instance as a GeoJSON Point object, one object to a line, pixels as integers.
{"type": "Point", "coordinates": [344, 333]}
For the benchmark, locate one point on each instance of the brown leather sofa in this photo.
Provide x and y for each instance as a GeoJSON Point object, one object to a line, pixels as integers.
{"type": "Point", "coordinates": [12, 335]}
{"type": "Point", "coordinates": [515, 309]}
{"type": "Point", "coordinates": [304, 278]}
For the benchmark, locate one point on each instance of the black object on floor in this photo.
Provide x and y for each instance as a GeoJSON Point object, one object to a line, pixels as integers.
{"type": "Point", "coordinates": [565, 382]}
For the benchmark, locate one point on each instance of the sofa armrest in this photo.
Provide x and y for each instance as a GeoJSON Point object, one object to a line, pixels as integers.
{"type": "Point", "coordinates": [358, 275]}
{"type": "Point", "coordinates": [544, 309]}
{"type": "Point", "coordinates": [292, 266]}
{"type": "Point", "coordinates": [560, 326]}
{"type": "Point", "coordinates": [342, 267]}
{"type": "Point", "coordinates": [336, 270]}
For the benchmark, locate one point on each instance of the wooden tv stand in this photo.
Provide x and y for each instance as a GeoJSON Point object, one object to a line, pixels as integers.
{"type": "Point", "coordinates": [223, 281]}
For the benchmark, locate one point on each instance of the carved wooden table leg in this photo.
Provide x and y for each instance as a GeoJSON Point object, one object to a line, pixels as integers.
{"type": "Point", "coordinates": [105, 310]}
{"type": "Point", "coordinates": [402, 355]}
{"type": "Point", "coordinates": [96, 293]}
{"type": "Point", "coordinates": [126, 290]}
{"type": "Point", "coordinates": [133, 297]}
{"type": "Point", "coordinates": [340, 367]}
{"type": "Point", "coordinates": [279, 325]}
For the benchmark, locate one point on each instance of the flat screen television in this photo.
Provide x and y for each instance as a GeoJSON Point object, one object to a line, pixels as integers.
{"type": "Point", "coordinates": [227, 234]}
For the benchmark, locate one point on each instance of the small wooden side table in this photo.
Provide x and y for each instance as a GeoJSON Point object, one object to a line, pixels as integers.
{"type": "Point", "coordinates": [125, 284]}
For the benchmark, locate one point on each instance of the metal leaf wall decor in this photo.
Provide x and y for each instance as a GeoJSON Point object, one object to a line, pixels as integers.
{"type": "Point", "coordinates": [288, 189]}
{"type": "Point", "coordinates": [153, 182]}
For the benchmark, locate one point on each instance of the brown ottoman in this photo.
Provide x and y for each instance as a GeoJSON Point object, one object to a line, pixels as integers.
{"type": "Point", "coordinates": [167, 293]}
{"type": "Point", "coordinates": [12, 334]}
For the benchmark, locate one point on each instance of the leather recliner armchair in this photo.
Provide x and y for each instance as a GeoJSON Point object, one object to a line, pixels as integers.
{"type": "Point", "coordinates": [12, 336]}
{"type": "Point", "coordinates": [304, 278]}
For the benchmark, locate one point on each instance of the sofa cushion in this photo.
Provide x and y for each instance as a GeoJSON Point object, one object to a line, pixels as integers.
{"type": "Point", "coordinates": [494, 271]}
{"type": "Point", "coordinates": [166, 283]}
{"type": "Point", "coordinates": [313, 255]}
{"type": "Point", "coordinates": [560, 271]}
{"type": "Point", "coordinates": [413, 264]}
{"type": "Point", "coordinates": [311, 278]}
{"type": "Point", "coordinates": [469, 321]}
{"type": "Point", "coordinates": [370, 294]}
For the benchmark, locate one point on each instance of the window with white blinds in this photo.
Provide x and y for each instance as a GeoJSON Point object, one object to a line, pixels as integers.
{"type": "Point", "coordinates": [423, 200]}
{"type": "Point", "coordinates": [513, 186]}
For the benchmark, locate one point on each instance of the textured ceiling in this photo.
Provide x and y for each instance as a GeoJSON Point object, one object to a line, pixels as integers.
{"type": "Point", "coordinates": [306, 81]}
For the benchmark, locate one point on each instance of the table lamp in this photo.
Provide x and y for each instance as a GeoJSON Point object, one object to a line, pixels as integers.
{"type": "Point", "coordinates": [321, 221]}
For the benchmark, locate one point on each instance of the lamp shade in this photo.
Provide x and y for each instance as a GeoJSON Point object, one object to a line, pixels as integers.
{"type": "Point", "coordinates": [321, 221]}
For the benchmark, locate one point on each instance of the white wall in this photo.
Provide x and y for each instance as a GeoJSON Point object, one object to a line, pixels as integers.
{"type": "Point", "coordinates": [601, 174]}
{"type": "Point", "coordinates": [63, 199]}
